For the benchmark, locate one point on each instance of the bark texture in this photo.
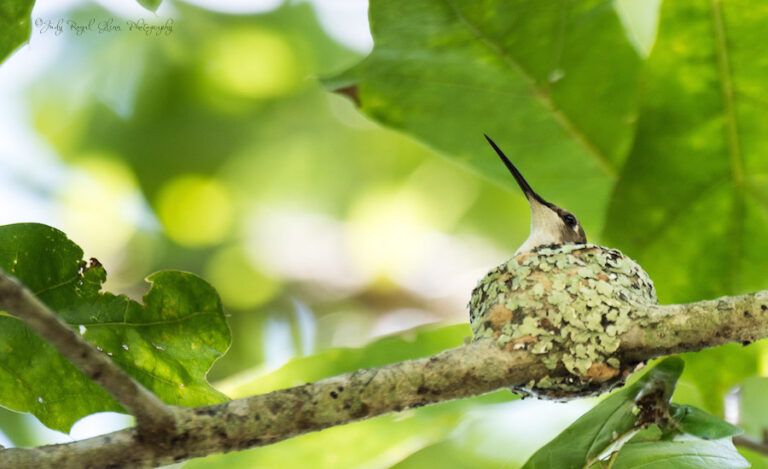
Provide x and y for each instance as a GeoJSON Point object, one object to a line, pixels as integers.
{"type": "Point", "coordinates": [472, 369]}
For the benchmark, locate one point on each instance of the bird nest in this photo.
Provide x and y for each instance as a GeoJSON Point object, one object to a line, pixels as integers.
{"type": "Point", "coordinates": [568, 305]}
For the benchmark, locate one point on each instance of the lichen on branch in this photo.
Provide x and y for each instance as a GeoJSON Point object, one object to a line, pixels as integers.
{"type": "Point", "coordinates": [476, 368]}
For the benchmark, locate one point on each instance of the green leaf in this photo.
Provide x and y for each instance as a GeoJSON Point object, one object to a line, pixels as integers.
{"type": "Point", "coordinates": [531, 74]}
{"type": "Point", "coordinates": [687, 453]}
{"type": "Point", "coordinates": [15, 25]}
{"type": "Point", "coordinates": [420, 342]}
{"type": "Point", "coordinates": [608, 422]}
{"type": "Point", "coordinates": [755, 459]}
{"type": "Point", "coordinates": [711, 373]}
{"type": "Point", "coordinates": [168, 343]}
{"type": "Point", "coordinates": [649, 434]}
{"type": "Point", "coordinates": [150, 4]}
{"type": "Point", "coordinates": [498, 436]}
{"type": "Point", "coordinates": [753, 413]}
{"type": "Point", "coordinates": [701, 424]}
{"type": "Point", "coordinates": [693, 190]}
{"type": "Point", "coordinates": [446, 454]}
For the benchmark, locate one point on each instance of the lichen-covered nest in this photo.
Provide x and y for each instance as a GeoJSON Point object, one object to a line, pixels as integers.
{"type": "Point", "coordinates": [569, 304]}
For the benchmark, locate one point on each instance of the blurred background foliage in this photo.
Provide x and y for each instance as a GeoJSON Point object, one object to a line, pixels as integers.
{"type": "Point", "coordinates": [218, 150]}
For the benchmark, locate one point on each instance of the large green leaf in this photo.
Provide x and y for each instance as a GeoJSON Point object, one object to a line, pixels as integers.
{"type": "Point", "coordinates": [554, 83]}
{"type": "Point", "coordinates": [15, 26]}
{"type": "Point", "coordinates": [692, 201]}
{"type": "Point", "coordinates": [608, 422]}
{"type": "Point", "coordinates": [685, 453]}
{"type": "Point", "coordinates": [168, 343]}
{"type": "Point", "coordinates": [557, 83]}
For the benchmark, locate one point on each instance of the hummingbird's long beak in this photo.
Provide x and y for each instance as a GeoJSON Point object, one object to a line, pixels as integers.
{"type": "Point", "coordinates": [530, 194]}
{"type": "Point", "coordinates": [549, 224]}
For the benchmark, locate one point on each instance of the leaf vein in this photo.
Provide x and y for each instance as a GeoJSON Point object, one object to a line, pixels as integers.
{"type": "Point", "coordinates": [565, 122]}
{"type": "Point", "coordinates": [151, 323]}
{"type": "Point", "coordinates": [735, 157]}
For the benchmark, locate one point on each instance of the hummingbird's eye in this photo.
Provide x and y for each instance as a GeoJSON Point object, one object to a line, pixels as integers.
{"type": "Point", "coordinates": [569, 220]}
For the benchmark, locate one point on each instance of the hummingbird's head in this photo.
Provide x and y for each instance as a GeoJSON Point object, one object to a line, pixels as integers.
{"type": "Point", "coordinates": [550, 224]}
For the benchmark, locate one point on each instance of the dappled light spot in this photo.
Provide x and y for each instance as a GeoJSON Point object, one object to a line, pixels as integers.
{"type": "Point", "coordinates": [240, 285]}
{"type": "Point", "coordinates": [101, 204]}
{"type": "Point", "coordinates": [253, 63]}
{"type": "Point", "coordinates": [195, 210]}
{"type": "Point", "coordinates": [389, 232]}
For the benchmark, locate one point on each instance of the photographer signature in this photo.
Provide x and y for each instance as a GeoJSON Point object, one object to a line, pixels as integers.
{"type": "Point", "coordinates": [59, 26]}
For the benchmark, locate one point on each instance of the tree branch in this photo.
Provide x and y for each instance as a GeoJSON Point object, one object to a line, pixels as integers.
{"type": "Point", "coordinates": [470, 370]}
{"type": "Point", "coordinates": [465, 371]}
{"type": "Point", "coordinates": [153, 417]}
{"type": "Point", "coordinates": [752, 444]}
{"type": "Point", "coordinates": [672, 329]}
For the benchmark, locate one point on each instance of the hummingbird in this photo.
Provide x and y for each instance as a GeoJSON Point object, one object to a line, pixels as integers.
{"type": "Point", "coordinates": [550, 224]}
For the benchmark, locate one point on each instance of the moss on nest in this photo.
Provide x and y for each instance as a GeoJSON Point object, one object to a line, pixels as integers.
{"type": "Point", "coordinates": [569, 304]}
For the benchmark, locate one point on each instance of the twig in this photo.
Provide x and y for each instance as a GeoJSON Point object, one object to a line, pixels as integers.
{"type": "Point", "coordinates": [751, 443]}
{"type": "Point", "coordinates": [153, 417]}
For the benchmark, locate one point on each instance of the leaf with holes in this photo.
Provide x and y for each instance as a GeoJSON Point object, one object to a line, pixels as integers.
{"type": "Point", "coordinates": [168, 343]}
{"type": "Point", "coordinates": [553, 83]}
{"type": "Point", "coordinates": [692, 201]}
